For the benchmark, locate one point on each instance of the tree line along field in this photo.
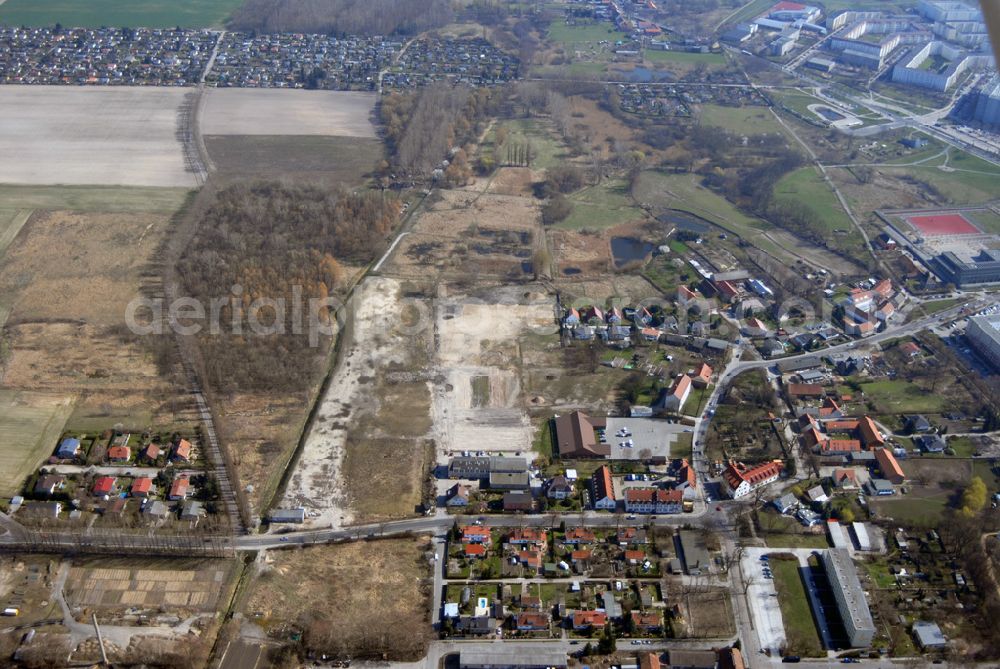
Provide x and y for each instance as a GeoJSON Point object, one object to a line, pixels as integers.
{"type": "Point", "coordinates": [133, 14]}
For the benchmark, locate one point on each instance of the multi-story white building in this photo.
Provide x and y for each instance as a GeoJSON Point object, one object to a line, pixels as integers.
{"type": "Point", "coordinates": [983, 332]}
{"type": "Point", "coordinates": [851, 602]}
{"type": "Point", "coordinates": [988, 103]}
{"type": "Point", "coordinates": [740, 480]}
{"type": "Point", "coordinates": [653, 500]}
{"type": "Point", "coordinates": [912, 69]}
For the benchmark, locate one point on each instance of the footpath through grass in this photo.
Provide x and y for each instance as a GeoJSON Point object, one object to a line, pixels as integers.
{"type": "Point", "coordinates": [118, 14]}
{"type": "Point", "coordinates": [801, 636]}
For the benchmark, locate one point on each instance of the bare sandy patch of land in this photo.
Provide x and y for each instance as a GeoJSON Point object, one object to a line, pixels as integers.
{"type": "Point", "coordinates": [479, 403]}
{"type": "Point", "coordinates": [360, 599]}
{"type": "Point", "coordinates": [251, 111]}
{"type": "Point", "coordinates": [93, 135]}
{"type": "Point", "coordinates": [371, 345]}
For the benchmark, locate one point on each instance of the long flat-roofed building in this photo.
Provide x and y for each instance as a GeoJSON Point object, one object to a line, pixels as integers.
{"type": "Point", "coordinates": [512, 658]}
{"type": "Point", "coordinates": [983, 332]}
{"type": "Point", "coordinates": [851, 602]}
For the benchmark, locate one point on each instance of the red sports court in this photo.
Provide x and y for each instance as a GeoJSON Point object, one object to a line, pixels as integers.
{"type": "Point", "coordinates": [943, 224]}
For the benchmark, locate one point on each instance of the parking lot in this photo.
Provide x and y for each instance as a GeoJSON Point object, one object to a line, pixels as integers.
{"type": "Point", "coordinates": [641, 438]}
{"type": "Point", "coordinates": [762, 600]}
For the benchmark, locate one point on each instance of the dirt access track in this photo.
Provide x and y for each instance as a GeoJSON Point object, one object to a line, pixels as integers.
{"type": "Point", "coordinates": [93, 135]}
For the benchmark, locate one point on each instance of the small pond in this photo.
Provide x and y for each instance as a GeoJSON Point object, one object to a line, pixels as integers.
{"type": "Point", "coordinates": [629, 249]}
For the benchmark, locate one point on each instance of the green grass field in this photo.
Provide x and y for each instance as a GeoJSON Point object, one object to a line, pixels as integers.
{"type": "Point", "coordinates": [602, 206]}
{"type": "Point", "coordinates": [11, 222]}
{"type": "Point", "coordinates": [685, 57]}
{"type": "Point", "coordinates": [133, 14]}
{"type": "Point", "coordinates": [911, 509]}
{"type": "Point", "coordinates": [548, 151]}
{"type": "Point", "coordinates": [741, 120]}
{"type": "Point", "coordinates": [898, 396]}
{"type": "Point", "coordinates": [987, 221]}
{"type": "Point", "coordinates": [30, 425]}
{"type": "Point", "coordinates": [579, 34]}
{"type": "Point", "coordinates": [682, 192]}
{"type": "Point", "coordinates": [807, 187]}
{"type": "Point", "coordinates": [750, 10]}
{"type": "Point", "coordinates": [800, 632]}
{"type": "Point", "coordinates": [94, 198]}
{"type": "Point", "coordinates": [972, 180]}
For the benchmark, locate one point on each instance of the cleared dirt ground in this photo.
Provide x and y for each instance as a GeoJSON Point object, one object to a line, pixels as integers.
{"type": "Point", "coordinates": [468, 234]}
{"type": "Point", "coordinates": [366, 595]}
{"type": "Point", "coordinates": [248, 111]}
{"type": "Point", "coordinates": [375, 341]}
{"type": "Point", "coordinates": [92, 135]}
{"type": "Point", "coordinates": [480, 405]}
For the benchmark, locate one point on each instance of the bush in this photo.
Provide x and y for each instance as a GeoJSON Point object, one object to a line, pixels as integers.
{"type": "Point", "coordinates": [557, 209]}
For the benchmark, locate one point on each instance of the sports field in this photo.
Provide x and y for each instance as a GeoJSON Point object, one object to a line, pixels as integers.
{"type": "Point", "coordinates": [30, 425]}
{"type": "Point", "coordinates": [118, 13]}
{"type": "Point", "coordinates": [933, 225]}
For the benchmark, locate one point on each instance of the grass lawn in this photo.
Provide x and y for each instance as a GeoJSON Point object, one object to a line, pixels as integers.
{"type": "Point", "coordinates": [898, 396]}
{"type": "Point", "coordinates": [808, 188]}
{"type": "Point", "coordinates": [879, 572]}
{"type": "Point", "coordinates": [603, 206]}
{"type": "Point", "coordinates": [683, 193]}
{"type": "Point", "coordinates": [749, 11]}
{"type": "Point", "coordinates": [987, 220]}
{"type": "Point", "coordinates": [548, 151]}
{"type": "Point", "coordinates": [796, 540]}
{"type": "Point", "coordinates": [110, 199]}
{"type": "Point", "coordinates": [686, 57]}
{"type": "Point", "coordinates": [681, 448]}
{"type": "Point", "coordinates": [800, 630]}
{"type": "Point", "coordinates": [134, 14]}
{"type": "Point", "coordinates": [580, 34]}
{"type": "Point", "coordinates": [30, 426]}
{"type": "Point", "coordinates": [741, 120]}
{"type": "Point", "coordinates": [11, 222]}
{"type": "Point", "coordinates": [914, 509]}
{"type": "Point", "coordinates": [972, 179]}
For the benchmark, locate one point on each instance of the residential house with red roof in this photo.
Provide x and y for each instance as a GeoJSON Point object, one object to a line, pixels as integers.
{"type": "Point", "coordinates": [531, 622]}
{"type": "Point", "coordinates": [182, 451]}
{"type": "Point", "coordinates": [476, 534]}
{"type": "Point", "coordinates": [579, 536]}
{"type": "Point", "coordinates": [119, 454]}
{"type": "Point", "coordinates": [653, 500]}
{"type": "Point", "coordinates": [104, 485]}
{"type": "Point", "coordinates": [179, 489]}
{"type": "Point", "coordinates": [677, 396]}
{"type": "Point", "coordinates": [587, 620]}
{"type": "Point", "coordinates": [650, 661]}
{"type": "Point", "coordinates": [702, 376]}
{"type": "Point", "coordinates": [602, 490]}
{"type": "Point", "coordinates": [528, 536]}
{"type": "Point", "coordinates": [888, 465]}
{"type": "Point", "coordinates": [869, 433]}
{"type": "Point", "coordinates": [141, 487]}
{"type": "Point", "coordinates": [647, 621]}
{"type": "Point", "coordinates": [150, 453]}
{"type": "Point", "coordinates": [740, 480]}
{"type": "Point", "coordinates": [475, 551]}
